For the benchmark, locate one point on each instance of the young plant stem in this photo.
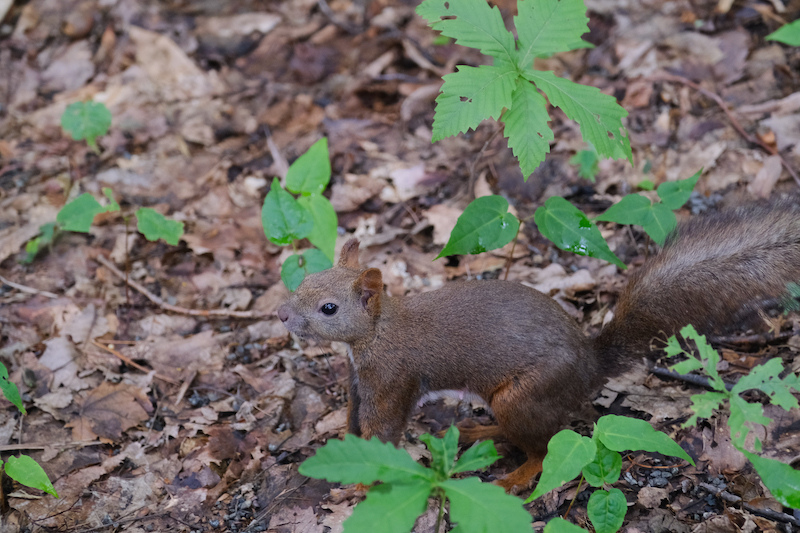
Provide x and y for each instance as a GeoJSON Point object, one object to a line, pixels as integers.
{"type": "Point", "coordinates": [511, 254]}
{"type": "Point", "coordinates": [439, 518]}
{"type": "Point", "coordinates": [127, 264]}
{"type": "Point", "coordinates": [577, 491]}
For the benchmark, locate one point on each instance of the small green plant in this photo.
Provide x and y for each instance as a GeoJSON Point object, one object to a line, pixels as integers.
{"type": "Point", "coordinates": [22, 469]}
{"type": "Point", "coordinates": [587, 162]}
{"type": "Point", "coordinates": [786, 34]}
{"type": "Point", "coordinates": [86, 120]}
{"type": "Point", "coordinates": [79, 214]}
{"type": "Point", "coordinates": [781, 479]}
{"type": "Point", "coordinates": [403, 496]}
{"type": "Point", "coordinates": [486, 223]}
{"type": "Point", "coordinates": [598, 461]}
{"type": "Point", "coordinates": [287, 220]}
{"type": "Point", "coordinates": [509, 89]}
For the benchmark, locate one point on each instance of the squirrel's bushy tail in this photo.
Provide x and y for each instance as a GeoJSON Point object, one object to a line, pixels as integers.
{"type": "Point", "coordinates": [713, 271]}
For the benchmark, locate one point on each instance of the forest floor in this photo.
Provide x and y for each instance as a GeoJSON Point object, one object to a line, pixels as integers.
{"type": "Point", "coordinates": [148, 419]}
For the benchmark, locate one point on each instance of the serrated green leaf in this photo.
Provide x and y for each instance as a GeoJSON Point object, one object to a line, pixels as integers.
{"type": "Point", "coordinates": [686, 366]}
{"type": "Point", "coordinates": [786, 34]}
{"type": "Point", "coordinates": [476, 457]}
{"type": "Point", "coordinates": [599, 115]}
{"type": "Point", "coordinates": [782, 480]}
{"type": "Point", "coordinates": [484, 225]}
{"type": "Point", "coordinates": [706, 354]}
{"type": "Point", "coordinates": [297, 266]}
{"type": "Point", "coordinates": [674, 194]}
{"type": "Point", "coordinates": [443, 451]}
{"type": "Point", "coordinates": [545, 27]}
{"type": "Point", "coordinates": [567, 454]}
{"type": "Point", "coordinates": [311, 172]}
{"type": "Point", "coordinates": [703, 406]}
{"type": "Point", "coordinates": [25, 470]}
{"type": "Point", "coordinates": [153, 225]}
{"type": "Point", "coordinates": [390, 508]}
{"type": "Point", "coordinates": [526, 127]}
{"type": "Point", "coordinates": [283, 218]}
{"type": "Point", "coordinates": [766, 378]}
{"type": "Point", "coordinates": [472, 95]}
{"type": "Point", "coordinates": [471, 23]}
{"type": "Point", "coordinates": [355, 460]}
{"type": "Point", "coordinates": [323, 234]}
{"type": "Point", "coordinates": [571, 230]}
{"type": "Point", "coordinates": [559, 525]}
{"type": "Point", "coordinates": [476, 506]}
{"type": "Point", "coordinates": [10, 390]}
{"type": "Point", "coordinates": [605, 468]}
{"type": "Point", "coordinates": [78, 214]}
{"type": "Point", "coordinates": [631, 209]}
{"type": "Point", "coordinates": [606, 510]}
{"type": "Point", "coordinates": [86, 120]}
{"type": "Point", "coordinates": [587, 163]}
{"type": "Point", "coordinates": [620, 433]}
{"type": "Point", "coordinates": [112, 203]}
{"type": "Point", "coordinates": [743, 413]}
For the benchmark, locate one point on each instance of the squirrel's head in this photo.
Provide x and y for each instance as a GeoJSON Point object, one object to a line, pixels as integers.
{"type": "Point", "coordinates": [340, 304]}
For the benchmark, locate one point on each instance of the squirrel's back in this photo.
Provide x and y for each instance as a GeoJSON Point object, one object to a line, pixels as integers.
{"type": "Point", "coordinates": [713, 271]}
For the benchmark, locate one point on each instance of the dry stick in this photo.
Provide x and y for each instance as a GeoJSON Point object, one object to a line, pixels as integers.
{"type": "Point", "coordinates": [734, 122]}
{"type": "Point", "coordinates": [174, 308]}
{"type": "Point", "coordinates": [128, 361]}
{"type": "Point", "coordinates": [26, 289]}
{"type": "Point", "coordinates": [733, 498]}
{"type": "Point", "coordinates": [42, 446]}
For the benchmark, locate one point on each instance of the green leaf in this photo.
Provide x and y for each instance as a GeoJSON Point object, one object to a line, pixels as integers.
{"type": "Point", "coordinates": [587, 163]}
{"type": "Point", "coordinates": [547, 27]}
{"type": "Point", "coordinates": [86, 120]}
{"type": "Point", "coordinates": [283, 218]}
{"type": "Point", "coordinates": [25, 470]}
{"type": "Point", "coordinates": [525, 126]}
{"type": "Point", "coordinates": [766, 378]}
{"type": "Point", "coordinates": [443, 451]}
{"type": "Point", "coordinates": [78, 214]}
{"type": "Point", "coordinates": [297, 266]}
{"type": "Point", "coordinates": [323, 234]}
{"type": "Point", "coordinates": [391, 507]}
{"type": "Point", "coordinates": [32, 248]}
{"type": "Point", "coordinates": [631, 209]}
{"type": "Point", "coordinates": [703, 406]}
{"type": "Point", "coordinates": [646, 185]}
{"type": "Point", "coordinates": [10, 390]}
{"type": "Point", "coordinates": [786, 34]}
{"type": "Point", "coordinates": [782, 480]}
{"type": "Point", "coordinates": [472, 95]}
{"type": "Point", "coordinates": [607, 510]}
{"type": "Point", "coordinates": [355, 460]}
{"type": "Point", "coordinates": [571, 230]}
{"type": "Point", "coordinates": [559, 525]}
{"type": "Point", "coordinates": [599, 115]}
{"type": "Point", "coordinates": [742, 413]}
{"type": "Point", "coordinates": [484, 507]}
{"type": "Point", "coordinates": [660, 223]}
{"type": "Point", "coordinates": [476, 457]}
{"type": "Point", "coordinates": [112, 203]}
{"type": "Point", "coordinates": [311, 172]}
{"type": "Point", "coordinates": [706, 354]}
{"type": "Point", "coordinates": [471, 23]}
{"type": "Point", "coordinates": [605, 468]}
{"type": "Point", "coordinates": [674, 194]}
{"type": "Point", "coordinates": [484, 225]}
{"type": "Point", "coordinates": [567, 454]}
{"type": "Point", "coordinates": [620, 433]}
{"type": "Point", "coordinates": [153, 225]}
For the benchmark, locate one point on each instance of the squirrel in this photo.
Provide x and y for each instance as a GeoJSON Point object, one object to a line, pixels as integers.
{"type": "Point", "coordinates": [517, 348]}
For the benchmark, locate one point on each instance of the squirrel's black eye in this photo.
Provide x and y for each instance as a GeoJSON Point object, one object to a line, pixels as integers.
{"type": "Point", "coordinates": [329, 308]}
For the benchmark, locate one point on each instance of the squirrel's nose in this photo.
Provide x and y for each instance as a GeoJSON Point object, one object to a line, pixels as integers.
{"type": "Point", "coordinates": [283, 314]}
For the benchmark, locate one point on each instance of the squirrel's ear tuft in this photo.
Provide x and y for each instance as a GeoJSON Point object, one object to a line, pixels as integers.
{"type": "Point", "coordinates": [370, 284]}
{"type": "Point", "coordinates": [349, 255]}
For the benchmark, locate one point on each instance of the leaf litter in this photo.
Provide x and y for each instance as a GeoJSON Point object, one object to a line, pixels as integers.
{"type": "Point", "coordinates": [150, 420]}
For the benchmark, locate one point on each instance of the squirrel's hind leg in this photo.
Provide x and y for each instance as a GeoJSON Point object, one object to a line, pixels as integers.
{"type": "Point", "coordinates": [522, 478]}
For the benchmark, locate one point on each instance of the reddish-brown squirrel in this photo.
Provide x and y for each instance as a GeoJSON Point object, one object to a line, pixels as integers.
{"type": "Point", "coordinates": [516, 348]}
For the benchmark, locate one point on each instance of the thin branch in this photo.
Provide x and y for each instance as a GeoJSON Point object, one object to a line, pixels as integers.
{"type": "Point", "coordinates": [26, 289]}
{"type": "Point", "coordinates": [210, 313]}
{"type": "Point", "coordinates": [733, 120]}
{"type": "Point", "coordinates": [128, 361]}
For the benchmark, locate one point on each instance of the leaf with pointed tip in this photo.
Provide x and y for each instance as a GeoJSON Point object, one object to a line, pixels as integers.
{"type": "Point", "coordinates": [526, 127]}
{"type": "Point", "coordinates": [545, 27]}
{"type": "Point", "coordinates": [484, 225]}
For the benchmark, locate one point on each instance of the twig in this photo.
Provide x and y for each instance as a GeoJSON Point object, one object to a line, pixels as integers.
{"type": "Point", "coordinates": [694, 379]}
{"type": "Point", "coordinates": [128, 361]}
{"type": "Point", "coordinates": [224, 313]}
{"type": "Point", "coordinates": [732, 498]}
{"type": "Point", "coordinates": [40, 446]}
{"type": "Point", "coordinates": [734, 122]}
{"type": "Point", "coordinates": [26, 289]}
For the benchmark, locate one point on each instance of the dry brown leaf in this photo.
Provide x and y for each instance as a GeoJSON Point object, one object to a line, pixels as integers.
{"type": "Point", "coordinates": [109, 410]}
